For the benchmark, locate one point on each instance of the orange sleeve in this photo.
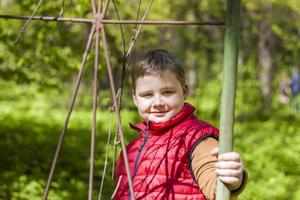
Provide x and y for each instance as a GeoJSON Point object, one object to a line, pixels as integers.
{"type": "Point", "coordinates": [203, 166]}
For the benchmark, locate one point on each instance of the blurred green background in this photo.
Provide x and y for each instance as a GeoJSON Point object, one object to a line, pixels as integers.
{"type": "Point", "coordinates": [37, 76]}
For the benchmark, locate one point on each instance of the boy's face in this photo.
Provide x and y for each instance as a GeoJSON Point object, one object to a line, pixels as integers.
{"type": "Point", "coordinates": [159, 97]}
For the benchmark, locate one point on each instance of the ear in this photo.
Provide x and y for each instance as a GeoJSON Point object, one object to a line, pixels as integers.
{"type": "Point", "coordinates": [185, 91]}
{"type": "Point", "coordinates": [134, 98]}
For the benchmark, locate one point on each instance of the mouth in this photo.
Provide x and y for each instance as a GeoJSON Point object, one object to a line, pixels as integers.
{"type": "Point", "coordinates": [159, 114]}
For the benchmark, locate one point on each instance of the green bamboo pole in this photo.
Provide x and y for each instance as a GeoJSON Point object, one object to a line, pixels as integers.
{"type": "Point", "coordinates": [230, 60]}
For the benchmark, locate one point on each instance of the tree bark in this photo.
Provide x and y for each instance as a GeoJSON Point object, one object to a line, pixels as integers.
{"type": "Point", "coordinates": [265, 44]}
{"type": "Point", "coordinates": [192, 77]}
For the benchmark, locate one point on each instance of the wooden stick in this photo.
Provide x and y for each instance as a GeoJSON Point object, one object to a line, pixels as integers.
{"type": "Point", "coordinates": [94, 116]}
{"type": "Point", "coordinates": [230, 60]}
{"type": "Point", "coordinates": [93, 2]}
{"type": "Point", "coordinates": [117, 109]}
{"type": "Point", "coordinates": [113, 21]}
{"type": "Point", "coordinates": [70, 109]}
{"type": "Point", "coordinates": [23, 29]}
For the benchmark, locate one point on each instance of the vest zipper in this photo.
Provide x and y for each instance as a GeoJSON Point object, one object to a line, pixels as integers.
{"type": "Point", "coordinates": [140, 151]}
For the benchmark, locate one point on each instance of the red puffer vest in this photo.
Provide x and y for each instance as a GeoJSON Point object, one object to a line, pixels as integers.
{"type": "Point", "coordinates": [159, 160]}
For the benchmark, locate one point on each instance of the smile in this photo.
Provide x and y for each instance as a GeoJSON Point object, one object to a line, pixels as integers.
{"type": "Point", "coordinates": [159, 114]}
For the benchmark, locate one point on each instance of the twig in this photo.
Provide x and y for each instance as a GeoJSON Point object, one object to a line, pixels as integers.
{"type": "Point", "coordinates": [121, 27]}
{"type": "Point", "coordinates": [127, 56]}
{"type": "Point", "coordinates": [48, 18]}
{"type": "Point", "coordinates": [137, 32]}
{"type": "Point", "coordinates": [23, 29]}
{"type": "Point", "coordinates": [106, 157]}
{"type": "Point", "coordinates": [70, 109]}
{"type": "Point", "coordinates": [114, 21]}
{"type": "Point", "coordinates": [116, 106]}
{"type": "Point", "coordinates": [116, 143]}
{"type": "Point", "coordinates": [117, 187]}
{"type": "Point", "coordinates": [62, 9]}
{"type": "Point", "coordinates": [124, 60]}
{"type": "Point", "coordinates": [94, 116]}
{"type": "Point", "coordinates": [105, 8]}
{"type": "Point", "coordinates": [163, 22]}
{"type": "Point", "coordinates": [93, 7]}
{"type": "Point", "coordinates": [99, 6]}
{"type": "Point", "coordinates": [138, 12]}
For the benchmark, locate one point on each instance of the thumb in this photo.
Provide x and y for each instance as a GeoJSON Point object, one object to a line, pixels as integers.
{"type": "Point", "coordinates": [215, 151]}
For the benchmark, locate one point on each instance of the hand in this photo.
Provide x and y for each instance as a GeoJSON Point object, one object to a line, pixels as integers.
{"type": "Point", "coordinates": [229, 168]}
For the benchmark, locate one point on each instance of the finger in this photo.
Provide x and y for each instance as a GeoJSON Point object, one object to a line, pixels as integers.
{"type": "Point", "coordinates": [230, 156]}
{"type": "Point", "coordinates": [229, 180]}
{"type": "Point", "coordinates": [229, 173]}
{"type": "Point", "coordinates": [229, 165]}
{"type": "Point", "coordinates": [215, 151]}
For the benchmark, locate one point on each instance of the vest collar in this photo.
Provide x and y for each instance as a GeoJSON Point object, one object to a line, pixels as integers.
{"type": "Point", "coordinates": [158, 128]}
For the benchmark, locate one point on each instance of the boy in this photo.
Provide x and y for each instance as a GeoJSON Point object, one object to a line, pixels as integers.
{"type": "Point", "coordinates": [175, 158]}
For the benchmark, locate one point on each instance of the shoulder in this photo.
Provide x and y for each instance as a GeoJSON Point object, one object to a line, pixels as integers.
{"type": "Point", "coordinates": [194, 131]}
{"type": "Point", "coordinates": [195, 126]}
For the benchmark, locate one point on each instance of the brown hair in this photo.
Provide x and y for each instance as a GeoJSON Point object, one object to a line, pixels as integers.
{"type": "Point", "coordinates": [154, 62]}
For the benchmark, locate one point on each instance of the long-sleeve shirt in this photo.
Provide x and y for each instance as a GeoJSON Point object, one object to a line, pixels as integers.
{"type": "Point", "coordinates": [203, 166]}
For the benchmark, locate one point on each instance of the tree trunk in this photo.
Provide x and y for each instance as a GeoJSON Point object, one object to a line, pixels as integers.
{"type": "Point", "coordinates": [192, 77]}
{"type": "Point", "coordinates": [265, 44]}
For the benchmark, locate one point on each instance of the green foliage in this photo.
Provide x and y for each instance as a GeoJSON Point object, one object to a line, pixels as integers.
{"type": "Point", "coordinates": [270, 154]}
{"type": "Point", "coordinates": [37, 76]}
{"type": "Point", "coordinates": [30, 124]}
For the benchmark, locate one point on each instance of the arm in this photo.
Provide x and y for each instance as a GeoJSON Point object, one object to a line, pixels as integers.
{"type": "Point", "coordinates": [206, 167]}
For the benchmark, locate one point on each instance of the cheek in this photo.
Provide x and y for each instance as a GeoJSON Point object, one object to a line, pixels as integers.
{"type": "Point", "coordinates": [142, 104]}
{"type": "Point", "coordinates": [176, 101]}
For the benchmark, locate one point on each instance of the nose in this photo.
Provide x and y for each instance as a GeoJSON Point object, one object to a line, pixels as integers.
{"type": "Point", "coordinates": [158, 101]}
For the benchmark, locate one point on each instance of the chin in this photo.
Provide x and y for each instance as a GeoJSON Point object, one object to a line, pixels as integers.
{"type": "Point", "coordinates": [160, 119]}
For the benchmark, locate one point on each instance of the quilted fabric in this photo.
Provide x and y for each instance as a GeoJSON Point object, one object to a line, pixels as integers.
{"type": "Point", "coordinates": [159, 159]}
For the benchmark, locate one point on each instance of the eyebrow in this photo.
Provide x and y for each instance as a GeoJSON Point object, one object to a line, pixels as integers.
{"type": "Point", "coordinates": [168, 88]}
{"type": "Point", "coordinates": [164, 88]}
{"type": "Point", "coordinates": [145, 91]}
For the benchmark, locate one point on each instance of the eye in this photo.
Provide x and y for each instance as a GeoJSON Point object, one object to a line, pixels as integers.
{"type": "Point", "coordinates": [168, 92]}
{"type": "Point", "coordinates": [146, 95]}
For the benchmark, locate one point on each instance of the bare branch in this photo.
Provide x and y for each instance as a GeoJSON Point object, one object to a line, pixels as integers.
{"type": "Point", "coordinates": [105, 8]}
{"type": "Point", "coordinates": [138, 12]}
{"type": "Point", "coordinates": [48, 18]}
{"type": "Point", "coordinates": [94, 116]}
{"type": "Point", "coordinates": [113, 21]}
{"type": "Point", "coordinates": [117, 187]}
{"type": "Point", "coordinates": [121, 28]}
{"type": "Point", "coordinates": [62, 9]}
{"type": "Point", "coordinates": [23, 29]}
{"type": "Point", "coordinates": [106, 156]}
{"type": "Point", "coordinates": [93, 2]}
{"type": "Point", "coordinates": [137, 32]}
{"type": "Point", "coordinates": [99, 6]}
{"type": "Point", "coordinates": [116, 106]}
{"type": "Point", "coordinates": [70, 109]}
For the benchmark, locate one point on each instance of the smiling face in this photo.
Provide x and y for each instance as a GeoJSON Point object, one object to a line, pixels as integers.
{"type": "Point", "coordinates": [159, 97]}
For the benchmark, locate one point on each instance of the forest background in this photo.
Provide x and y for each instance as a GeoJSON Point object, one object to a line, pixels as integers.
{"type": "Point", "coordinates": [37, 76]}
